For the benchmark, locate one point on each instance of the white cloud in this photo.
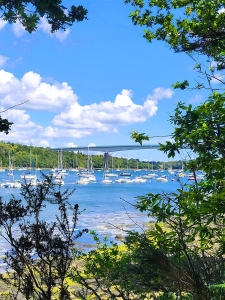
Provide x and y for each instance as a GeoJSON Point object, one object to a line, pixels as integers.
{"type": "Point", "coordinates": [56, 132]}
{"type": "Point", "coordinates": [23, 130]}
{"type": "Point", "coordinates": [61, 35]}
{"type": "Point", "coordinates": [74, 120]}
{"type": "Point", "coordinates": [41, 95]}
{"type": "Point", "coordinates": [3, 60]}
{"type": "Point", "coordinates": [108, 116]}
{"type": "Point", "coordinates": [46, 28]}
{"type": "Point", "coordinates": [160, 93]}
{"type": "Point", "coordinates": [18, 29]}
{"type": "Point", "coordinates": [69, 145]}
{"type": "Point", "coordinates": [91, 145]}
{"type": "Point", "coordinates": [2, 24]}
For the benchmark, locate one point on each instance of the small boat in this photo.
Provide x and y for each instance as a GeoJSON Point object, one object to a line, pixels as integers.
{"type": "Point", "coordinates": [112, 175]}
{"type": "Point", "coordinates": [123, 180]}
{"type": "Point", "coordinates": [106, 180]}
{"type": "Point", "coordinates": [162, 179]}
{"type": "Point", "coordinates": [22, 169]}
{"type": "Point", "coordinates": [181, 175]}
{"type": "Point", "coordinates": [148, 175]}
{"type": "Point", "coordinates": [7, 184]}
{"type": "Point", "coordinates": [33, 182]}
{"type": "Point", "coordinates": [191, 176]}
{"type": "Point", "coordinates": [125, 174]}
{"type": "Point", "coordinates": [83, 180]}
{"type": "Point", "coordinates": [58, 180]}
{"type": "Point", "coordinates": [17, 184]}
{"type": "Point", "coordinates": [139, 180]}
{"type": "Point", "coordinates": [28, 176]}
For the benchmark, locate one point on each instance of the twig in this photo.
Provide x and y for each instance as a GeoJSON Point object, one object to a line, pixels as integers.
{"type": "Point", "coordinates": [13, 106]}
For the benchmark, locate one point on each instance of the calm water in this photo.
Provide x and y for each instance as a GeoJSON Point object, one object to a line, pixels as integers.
{"type": "Point", "coordinates": [102, 204]}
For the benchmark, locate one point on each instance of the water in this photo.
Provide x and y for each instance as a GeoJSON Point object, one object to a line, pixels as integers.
{"type": "Point", "coordinates": [106, 208]}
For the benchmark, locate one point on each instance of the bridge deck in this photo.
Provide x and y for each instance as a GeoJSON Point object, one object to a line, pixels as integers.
{"type": "Point", "coordinates": [108, 148]}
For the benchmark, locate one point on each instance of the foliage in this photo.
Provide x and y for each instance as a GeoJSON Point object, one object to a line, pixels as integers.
{"type": "Point", "coordinates": [101, 273]}
{"type": "Point", "coordinates": [139, 137]}
{"type": "Point", "coordinates": [29, 12]}
{"type": "Point", "coordinates": [46, 158]}
{"type": "Point", "coordinates": [40, 255]}
{"type": "Point", "coordinates": [5, 125]}
{"type": "Point", "coordinates": [188, 26]}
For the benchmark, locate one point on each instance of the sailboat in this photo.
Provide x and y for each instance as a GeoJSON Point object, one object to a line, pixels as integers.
{"type": "Point", "coordinates": [76, 169]}
{"type": "Point", "coordinates": [10, 173]}
{"type": "Point", "coordinates": [126, 173]}
{"type": "Point", "coordinates": [87, 175]}
{"type": "Point", "coordinates": [106, 179]}
{"type": "Point", "coordinates": [149, 175]}
{"type": "Point", "coordinates": [37, 169]}
{"type": "Point", "coordinates": [59, 171]}
{"type": "Point", "coordinates": [29, 175]}
{"type": "Point", "coordinates": [137, 170]}
{"type": "Point", "coordinates": [112, 174]}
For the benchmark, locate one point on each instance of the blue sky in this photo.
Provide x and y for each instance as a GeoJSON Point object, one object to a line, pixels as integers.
{"type": "Point", "coordinates": [90, 85]}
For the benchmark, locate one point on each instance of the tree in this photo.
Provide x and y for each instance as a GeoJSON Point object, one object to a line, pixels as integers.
{"type": "Point", "coordinates": [29, 12]}
{"type": "Point", "coordinates": [187, 26]}
{"type": "Point", "coordinates": [5, 125]}
{"type": "Point", "coordinates": [40, 255]}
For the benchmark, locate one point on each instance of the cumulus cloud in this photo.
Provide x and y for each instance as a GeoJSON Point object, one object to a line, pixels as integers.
{"type": "Point", "coordinates": [108, 116]}
{"type": "Point", "coordinates": [2, 24]}
{"type": "Point", "coordinates": [46, 28]}
{"type": "Point", "coordinates": [74, 120]}
{"type": "Point", "coordinates": [69, 145]}
{"type": "Point", "coordinates": [56, 132]}
{"type": "Point", "coordinates": [41, 95]}
{"type": "Point", "coordinates": [91, 145]}
{"type": "Point", "coordinates": [23, 130]}
{"type": "Point", "coordinates": [18, 29]}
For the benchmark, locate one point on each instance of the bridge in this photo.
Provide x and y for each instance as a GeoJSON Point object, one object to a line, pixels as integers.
{"type": "Point", "coordinates": [108, 148]}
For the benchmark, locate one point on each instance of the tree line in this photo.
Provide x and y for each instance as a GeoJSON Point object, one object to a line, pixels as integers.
{"type": "Point", "coordinates": [45, 158]}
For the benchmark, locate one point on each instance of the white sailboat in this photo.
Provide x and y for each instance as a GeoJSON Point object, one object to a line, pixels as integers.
{"type": "Point", "coordinates": [124, 180]}
{"type": "Point", "coordinates": [29, 175]}
{"type": "Point", "coordinates": [137, 169]}
{"type": "Point", "coordinates": [87, 175]}
{"type": "Point", "coordinates": [106, 180]}
{"type": "Point", "coordinates": [111, 174]}
{"type": "Point", "coordinates": [75, 169]}
{"type": "Point", "coordinates": [149, 175]}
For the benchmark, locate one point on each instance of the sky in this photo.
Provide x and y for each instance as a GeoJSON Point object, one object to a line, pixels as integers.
{"type": "Point", "coordinates": [91, 84]}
